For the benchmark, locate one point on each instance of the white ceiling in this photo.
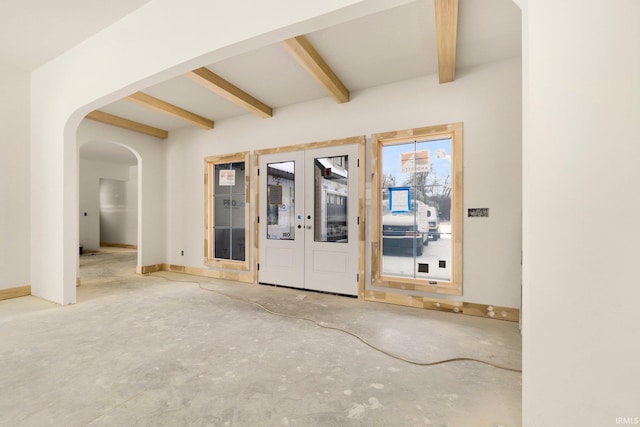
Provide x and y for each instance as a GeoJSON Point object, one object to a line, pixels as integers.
{"type": "Point", "coordinates": [386, 47]}
{"type": "Point", "coordinates": [390, 46]}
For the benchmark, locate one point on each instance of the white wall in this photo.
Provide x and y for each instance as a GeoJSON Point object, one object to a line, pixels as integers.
{"type": "Point", "coordinates": [150, 186]}
{"type": "Point", "coordinates": [130, 220]}
{"type": "Point", "coordinates": [581, 157]}
{"type": "Point", "coordinates": [118, 211]}
{"type": "Point", "coordinates": [91, 172]}
{"type": "Point", "coordinates": [487, 99]}
{"type": "Point", "coordinates": [14, 183]}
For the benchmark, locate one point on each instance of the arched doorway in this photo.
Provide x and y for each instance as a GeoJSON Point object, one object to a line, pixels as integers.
{"type": "Point", "coordinates": [109, 197]}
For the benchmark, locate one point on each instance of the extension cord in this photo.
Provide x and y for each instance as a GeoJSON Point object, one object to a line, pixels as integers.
{"type": "Point", "coordinates": [345, 331]}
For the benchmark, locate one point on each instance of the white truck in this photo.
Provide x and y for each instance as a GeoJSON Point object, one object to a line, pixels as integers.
{"type": "Point", "coordinates": [431, 214]}
{"type": "Point", "coordinates": [409, 231]}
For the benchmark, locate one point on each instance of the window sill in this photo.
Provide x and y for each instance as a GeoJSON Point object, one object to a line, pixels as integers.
{"type": "Point", "coordinates": [409, 284]}
{"type": "Point", "coordinates": [227, 264]}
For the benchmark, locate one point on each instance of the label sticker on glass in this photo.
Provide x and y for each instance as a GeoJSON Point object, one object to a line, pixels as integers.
{"type": "Point", "coordinates": [415, 161]}
{"type": "Point", "coordinates": [227, 177]}
{"type": "Point", "coordinates": [399, 199]}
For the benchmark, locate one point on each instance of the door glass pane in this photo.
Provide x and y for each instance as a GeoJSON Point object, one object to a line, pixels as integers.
{"type": "Point", "coordinates": [416, 210]}
{"type": "Point", "coordinates": [229, 210]}
{"type": "Point", "coordinates": [237, 207]}
{"type": "Point", "coordinates": [237, 244]}
{"type": "Point", "coordinates": [331, 192]}
{"type": "Point", "coordinates": [229, 178]}
{"type": "Point", "coordinates": [222, 210]}
{"type": "Point", "coordinates": [281, 201]}
{"type": "Point", "coordinates": [222, 243]}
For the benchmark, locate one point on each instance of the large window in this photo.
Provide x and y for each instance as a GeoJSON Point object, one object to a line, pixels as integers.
{"type": "Point", "coordinates": [418, 209]}
{"type": "Point", "coordinates": [226, 219]}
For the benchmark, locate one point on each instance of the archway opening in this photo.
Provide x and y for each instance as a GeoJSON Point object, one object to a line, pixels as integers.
{"type": "Point", "coordinates": [109, 217]}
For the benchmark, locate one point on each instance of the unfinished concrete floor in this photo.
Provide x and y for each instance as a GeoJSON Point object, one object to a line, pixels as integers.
{"type": "Point", "coordinates": [145, 351]}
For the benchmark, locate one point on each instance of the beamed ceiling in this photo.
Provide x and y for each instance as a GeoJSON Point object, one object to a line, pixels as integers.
{"type": "Point", "coordinates": [426, 37]}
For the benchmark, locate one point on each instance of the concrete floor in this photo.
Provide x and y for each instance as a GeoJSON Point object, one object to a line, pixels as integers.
{"type": "Point", "coordinates": [144, 351]}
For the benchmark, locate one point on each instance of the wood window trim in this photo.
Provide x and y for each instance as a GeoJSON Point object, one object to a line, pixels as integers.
{"type": "Point", "coordinates": [209, 181]}
{"type": "Point", "coordinates": [455, 132]}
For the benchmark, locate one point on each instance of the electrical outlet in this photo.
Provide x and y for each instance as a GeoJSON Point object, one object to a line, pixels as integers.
{"type": "Point", "coordinates": [181, 253]}
{"type": "Point", "coordinates": [478, 212]}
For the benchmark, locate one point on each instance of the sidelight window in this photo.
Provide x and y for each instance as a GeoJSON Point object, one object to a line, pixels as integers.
{"type": "Point", "coordinates": [227, 181]}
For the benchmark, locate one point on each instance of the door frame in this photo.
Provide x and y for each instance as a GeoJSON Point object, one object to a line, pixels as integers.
{"type": "Point", "coordinates": [358, 140]}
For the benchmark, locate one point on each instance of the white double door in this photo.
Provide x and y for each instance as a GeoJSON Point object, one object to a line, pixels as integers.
{"type": "Point", "coordinates": [308, 216]}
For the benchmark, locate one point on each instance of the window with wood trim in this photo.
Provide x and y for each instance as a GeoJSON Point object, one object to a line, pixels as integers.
{"type": "Point", "coordinates": [417, 214]}
{"type": "Point", "coordinates": [227, 211]}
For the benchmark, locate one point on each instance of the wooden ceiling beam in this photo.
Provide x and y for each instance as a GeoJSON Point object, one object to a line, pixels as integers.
{"type": "Point", "coordinates": [300, 48]}
{"type": "Point", "coordinates": [446, 33]}
{"type": "Point", "coordinates": [120, 122]}
{"type": "Point", "coordinates": [156, 104]}
{"type": "Point", "coordinates": [207, 78]}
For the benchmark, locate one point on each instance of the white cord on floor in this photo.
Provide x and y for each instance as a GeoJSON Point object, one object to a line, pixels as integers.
{"type": "Point", "coordinates": [335, 328]}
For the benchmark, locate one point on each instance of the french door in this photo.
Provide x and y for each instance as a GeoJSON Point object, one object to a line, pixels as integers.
{"type": "Point", "coordinates": [308, 216]}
